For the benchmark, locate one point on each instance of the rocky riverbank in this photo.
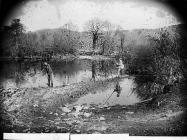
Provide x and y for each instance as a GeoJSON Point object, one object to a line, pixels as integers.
{"type": "Point", "coordinates": [33, 110]}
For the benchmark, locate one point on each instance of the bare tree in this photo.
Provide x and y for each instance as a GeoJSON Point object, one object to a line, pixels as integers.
{"type": "Point", "coordinates": [15, 36]}
{"type": "Point", "coordinates": [95, 28]}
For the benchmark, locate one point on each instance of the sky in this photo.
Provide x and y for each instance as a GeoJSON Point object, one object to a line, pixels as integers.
{"type": "Point", "coordinates": [129, 14]}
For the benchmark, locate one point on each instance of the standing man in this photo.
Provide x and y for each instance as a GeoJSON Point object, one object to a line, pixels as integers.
{"type": "Point", "coordinates": [120, 66]}
{"type": "Point", "coordinates": [49, 72]}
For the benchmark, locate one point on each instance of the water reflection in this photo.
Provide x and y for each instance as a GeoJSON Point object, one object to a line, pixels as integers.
{"type": "Point", "coordinates": [126, 91]}
{"type": "Point", "coordinates": [28, 74]}
{"type": "Point", "coordinates": [115, 93]}
{"type": "Point", "coordinates": [93, 70]}
{"type": "Point", "coordinates": [106, 68]}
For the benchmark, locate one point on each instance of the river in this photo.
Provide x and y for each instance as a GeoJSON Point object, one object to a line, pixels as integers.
{"type": "Point", "coordinates": [28, 74]}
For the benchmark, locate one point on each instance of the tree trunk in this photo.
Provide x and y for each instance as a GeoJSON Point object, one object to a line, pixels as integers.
{"type": "Point", "coordinates": [103, 48]}
{"type": "Point", "coordinates": [93, 70]}
{"type": "Point", "coordinates": [122, 42]}
{"type": "Point", "coordinates": [94, 43]}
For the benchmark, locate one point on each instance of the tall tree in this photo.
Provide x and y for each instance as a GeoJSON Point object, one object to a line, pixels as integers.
{"type": "Point", "coordinates": [15, 37]}
{"type": "Point", "coordinates": [17, 27]}
{"type": "Point", "coordinates": [95, 28]}
{"type": "Point", "coordinates": [17, 30]}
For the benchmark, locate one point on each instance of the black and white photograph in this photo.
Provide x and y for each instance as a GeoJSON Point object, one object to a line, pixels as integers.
{"type": "Point", "coordinates": [93, 67]}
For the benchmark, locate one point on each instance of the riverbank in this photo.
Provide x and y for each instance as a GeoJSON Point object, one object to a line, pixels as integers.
{"type": "Point", "coordinates": [58, 58]}
{"type": "Point", "coordinates": [50, 110]}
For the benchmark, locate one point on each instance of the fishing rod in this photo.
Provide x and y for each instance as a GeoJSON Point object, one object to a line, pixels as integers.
{"type": "Point", "coordinates": [109, 97]}
{"type": "Point", "coordinates": [117, 89]}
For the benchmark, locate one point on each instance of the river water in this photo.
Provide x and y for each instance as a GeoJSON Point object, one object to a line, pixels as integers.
{"type": "Point", "coordinates": [28, 74]}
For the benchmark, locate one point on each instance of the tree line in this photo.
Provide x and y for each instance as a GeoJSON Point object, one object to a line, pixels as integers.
{"type": "Point", "coordinates": [153, 52]}
{"type": "Point", "coordinates": [98, 35]}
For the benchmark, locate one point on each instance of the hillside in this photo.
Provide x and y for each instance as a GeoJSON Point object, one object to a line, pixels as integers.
{"type": "Point", "coordinates": [63, 41]}
{"type": "Point", "coordinates": [136, 37]}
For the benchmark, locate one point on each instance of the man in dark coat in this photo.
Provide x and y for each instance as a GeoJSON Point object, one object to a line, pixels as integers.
{"type": "Point", "coordinates": [49, 73]}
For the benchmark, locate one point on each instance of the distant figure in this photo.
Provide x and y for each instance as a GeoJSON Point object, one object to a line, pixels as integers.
{"type": "Point", "coordinates": [120, 66]}
{"type": "Point", "coordinates": [49, 72]}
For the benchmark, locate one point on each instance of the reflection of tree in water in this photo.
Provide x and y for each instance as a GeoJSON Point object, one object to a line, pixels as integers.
{"type": "Point", "coordinates": [19, 74]}
{"type": "Point", "coordinates": [66, 82]}
{"type": "Point", "coordinates": [70, 67]}
{"type": "Point", "coordinates": [32, 69]}
{"type": "Point", "coordinates": [22, 69]}
{"type": "Point", "coordinates": [105, 68]}
{"type": "Point", "coordinates": [93, 70]}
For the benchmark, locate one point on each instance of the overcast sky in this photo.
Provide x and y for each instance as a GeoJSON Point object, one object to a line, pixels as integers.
{"type": "Point", "coordinates": [129, 14]}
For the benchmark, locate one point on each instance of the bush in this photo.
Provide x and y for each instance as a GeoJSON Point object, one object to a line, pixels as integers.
{"type": "Point", "coordinates": [160, 61]}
